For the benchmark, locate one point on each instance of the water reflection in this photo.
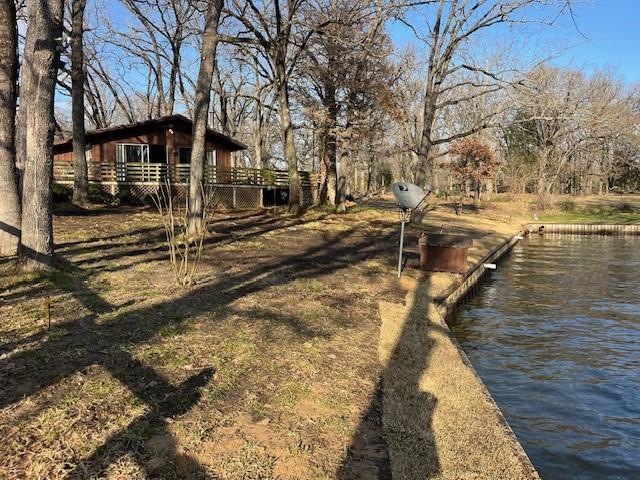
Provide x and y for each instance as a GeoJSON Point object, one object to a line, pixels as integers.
{"type": "Point", "coordinates": [555, 335]}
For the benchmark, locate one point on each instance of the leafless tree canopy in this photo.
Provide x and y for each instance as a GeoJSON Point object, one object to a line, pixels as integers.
{"type": "Point", "coordinates": [320, 85]}
{"type": "Point", "coordinates": [326, 85]}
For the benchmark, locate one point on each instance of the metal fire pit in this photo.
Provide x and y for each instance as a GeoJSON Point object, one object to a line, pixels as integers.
{"type": "Point", "coordinates": [444, 253]}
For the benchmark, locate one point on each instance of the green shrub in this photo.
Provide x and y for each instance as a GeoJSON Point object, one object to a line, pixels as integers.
{"type": "Point", "coordinates": [386, 177]}
{"type": "Point", "coordinates": [61, 193]}
{"type": "Point", "coordinates": [97, 195]}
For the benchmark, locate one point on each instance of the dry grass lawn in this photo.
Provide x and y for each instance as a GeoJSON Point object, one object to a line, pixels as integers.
{"type": "Point", "coordinates": [271, 366]}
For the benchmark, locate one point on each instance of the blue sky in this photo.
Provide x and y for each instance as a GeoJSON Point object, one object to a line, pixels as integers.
{"type": "Point", "coordinates": [611, 28]}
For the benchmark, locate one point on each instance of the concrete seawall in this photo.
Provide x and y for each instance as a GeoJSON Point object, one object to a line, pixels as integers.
{"type": "Point", "coordinates": [468, 436]}
{"type": "Point", "coordinates": [448, 300]}
{"type": "Point", "coordinates": [586, 229]}
{"type": "Point", "coordinates": [447, 303]}
{"type": "Point", "coordinates": [440, 420]}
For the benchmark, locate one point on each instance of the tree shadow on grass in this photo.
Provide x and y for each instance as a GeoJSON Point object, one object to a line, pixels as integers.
{"type": "Point", "coordinates": [151, 247]}
{"type": "Point", "coordinates": [396, 430]}
{"type": "Point", "coordinates": [165, 403]}
{"type": "Point", "coordinates": [104, 336]}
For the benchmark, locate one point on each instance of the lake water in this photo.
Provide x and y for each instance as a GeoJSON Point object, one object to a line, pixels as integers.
{"type": "Point", "coordinates": [554, 333]}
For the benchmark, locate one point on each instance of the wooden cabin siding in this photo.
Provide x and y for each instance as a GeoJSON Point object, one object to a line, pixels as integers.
{"type": "Point", "coordinates": [63, 157]}
{"type": "Point", "coordinates": [106, 151]}
{"type": "Point", "coordinates": [223, 158]}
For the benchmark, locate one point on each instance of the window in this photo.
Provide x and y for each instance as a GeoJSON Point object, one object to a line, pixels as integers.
{"type": "Point", "coordinates": [211, 158]}
{"type": "Point", "coordinates": [129, 153]}
{"type": "Point", "coordinates": [184, 154]}
{"type": "Point", "coordinates": [134, 162]}
{"type": "Point", "coordinates": [157, 154]}
{"type": "Point", "coordinates": [141, 153]}
{"type": "Point", "coordinates": [133, 153]}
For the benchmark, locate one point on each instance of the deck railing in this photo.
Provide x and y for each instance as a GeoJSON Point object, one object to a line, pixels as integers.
{"type": "Point", "coordinates": [178, 174]}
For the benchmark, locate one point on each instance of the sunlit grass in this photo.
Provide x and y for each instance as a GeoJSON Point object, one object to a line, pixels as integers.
{"type": "Point", "coordinates": [620, 213]}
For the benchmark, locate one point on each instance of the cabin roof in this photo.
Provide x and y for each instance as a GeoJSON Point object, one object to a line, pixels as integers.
{"type": "Point", "coordinates": [179, 122]}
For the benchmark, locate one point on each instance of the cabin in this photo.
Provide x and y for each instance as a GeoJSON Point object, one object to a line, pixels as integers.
{"type": "Point", "coordinates": [136, 159]}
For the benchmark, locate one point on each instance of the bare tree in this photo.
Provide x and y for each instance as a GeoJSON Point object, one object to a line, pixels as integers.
{"type": "Point", "coordinates": [277, 33]}
{"type": "Point", "coordinates": [570, 125]}
{"type": "Point", "coordinates": [324, 67]}
{"type": "Point", "coordinates": [80, 174]}
{"type": "Point", "coordinates": [448, 33]}
{"type": "Point", "coordinates": [10, 205]}
{"type": "Point", "coordinates": [40, 68]}
{"type": "Point", "coordinates": [109, 97]}
{"type": "Point", "coordinates": [185, 250]}
{"type": "Point", "coordinates": [252, 101]}
{"type": "Point", "coordinates": [346, 74]}
{"type": "Point", "coordinates": [159, 44]}
{"type": "Point", "coordinates": [232, 85]}
{"type": "Point", "coordinates": [152, 38]}
{"type": "Point", "coordinates": [201, 113]}
{"type": "Point", "coordinates": [258, 124]}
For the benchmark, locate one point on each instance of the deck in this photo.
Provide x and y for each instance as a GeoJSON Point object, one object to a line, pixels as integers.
{"type": "Point", "coordinates": [144, 173]}
{"type": "Point", "coordinates": [236, 187]}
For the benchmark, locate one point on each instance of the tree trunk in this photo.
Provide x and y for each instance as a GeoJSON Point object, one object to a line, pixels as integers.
{"type": "Point", "coordinates": [200, 114]}
{"type": "Point", "coordinates": [425, 142]}
{"type": "Point", "coordinates": [258, 123]}
{"type": "Point", "coordinates": [543, 195]}
{"type": "Point", "coordinates": [21, 135]}
{"type": "Point", "coordinates": [328, 181]}
{"type": "Point", "coordinates": [322, 148]}
{"type": "Point", "coordinates": [10, 204]}
{"type": "Point", "coordinates": [80, 175]}
{"type": "Point", "coordinates": [173, 74]}
{"type": "Point", "coordinates": [258, 140]}
{"type": "Point", "coordinates": [331, 146]}
{"type": "Point", "coordinates": [343, 179]}
{"type": "Point", "coordinates": [224, 113]}
{"type": "Point", "coordinates": [369, 175]}
{"type": "Point", "coordinates": [41, 61]}
{"type": "Point", "coordinates": [290, 154]}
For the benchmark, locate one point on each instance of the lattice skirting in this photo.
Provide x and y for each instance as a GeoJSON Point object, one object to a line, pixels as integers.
{"type": "Point", "coordinates": [309, 196]}
{"type": "Point", "coordinates": [222, 196]}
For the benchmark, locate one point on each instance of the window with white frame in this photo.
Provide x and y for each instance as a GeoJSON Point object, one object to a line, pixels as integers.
{"type": "Point", "coordinates": [133, 153]}
{"type": "Point", "coordinates": [144, 156]}
{"type": "Point", "coordinates": [130, 153]}
{"type": "Point", "coordinates": [211, 158]}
